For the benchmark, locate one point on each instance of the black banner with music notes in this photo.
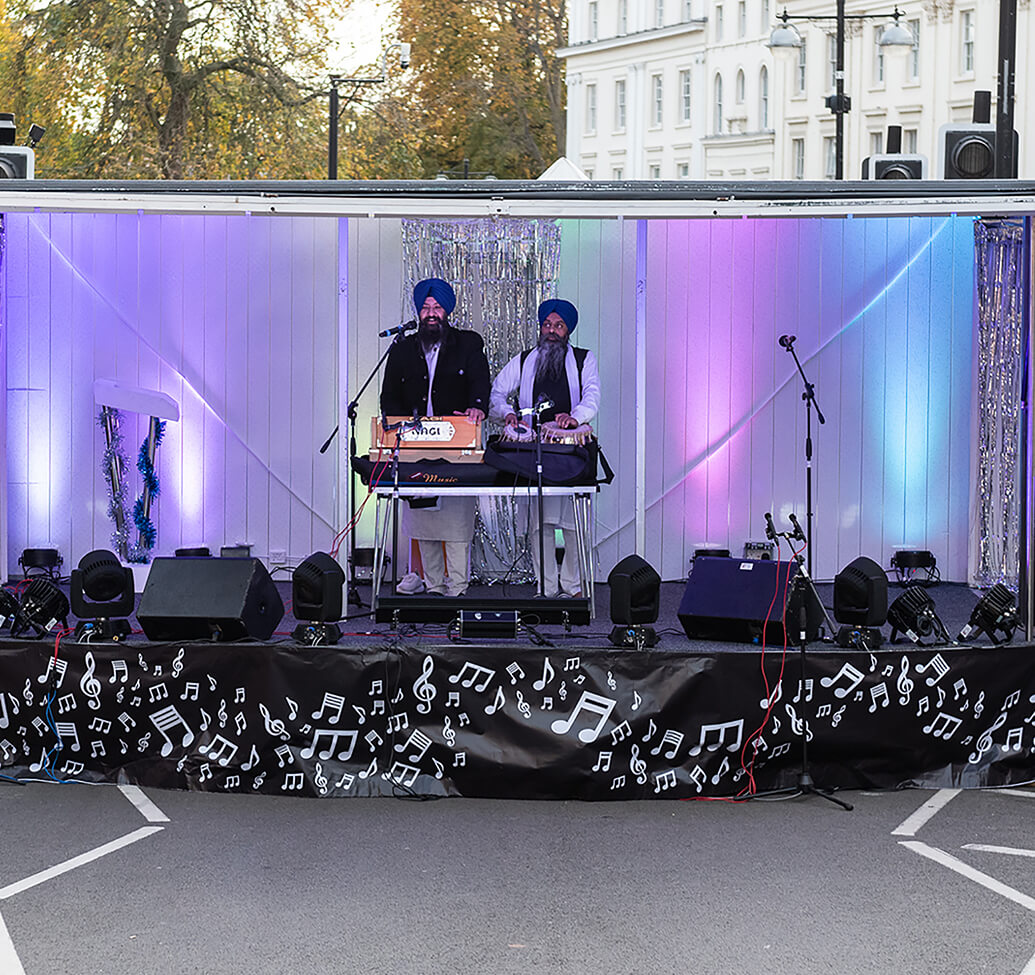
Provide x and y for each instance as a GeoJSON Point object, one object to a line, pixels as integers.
{"type": "Point", "coordinates": [513, 722]}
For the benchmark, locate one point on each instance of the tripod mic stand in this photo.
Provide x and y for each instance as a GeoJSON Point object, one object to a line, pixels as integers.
{"type": "Point", "coordinates": [803, 585]}
{"type": "Point", "coordinates": [809, 396]}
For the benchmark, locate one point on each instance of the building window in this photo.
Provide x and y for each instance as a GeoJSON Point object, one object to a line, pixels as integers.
{"type": "Point", "coordinates": [742, 18]}
{"type": "Point", "coordinates": [738, 90]}
{"type": "Point", "coordinates": [617, 172]}
{"type": "Point", "coordinates": [765, 17]}
{"type": "Point", "coordinates": [829, 157]}
{"type": "Point", "coordinates": [619, 106]}
{"type": "Point", "coordinates": [655, 171]}
{"type": "Point", "coordinates": [623, 17]}
{"type": "Point", "coordinates": [718, 22]}
{"type": "Point", "coordinates": [659, 13]}
{"type": "Point", "coordinates": [594, 20]}
{"type": "Point", "coordinates": [591, 109]}
{"type": "Point", "coordinates": [914, 53]}
{"type": "Point", "coordinates": [683, 170]}
{"type": "Point", "coordinates": [831, 62]}
{"type": "Point", "coordinates": [876, 143]}
{"type": "Point", "coordinates": [657, 104]}
{"type": "Point", "coordinates": [799, 74]}
{"type": "Point", "coordinates": [909, 141]}
{"type": "Point", "coordinates": [688, 13]}
{"type": "Point", "coordinates": [763, 98]}
{"type": "Point", "coordinates": [967, 41]}
{"type": "Point", "coordinates": [878, 57]}
{"type": "Point", "coordinates": [717, 124]}
{"type": "Point", "coordinates": [798, 158]}
{"type": "Point", "coordinates": [684, 95]}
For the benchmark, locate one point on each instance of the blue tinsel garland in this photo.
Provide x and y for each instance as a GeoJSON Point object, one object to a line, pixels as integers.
{"type": "Point", "coordinates": [148, 532]}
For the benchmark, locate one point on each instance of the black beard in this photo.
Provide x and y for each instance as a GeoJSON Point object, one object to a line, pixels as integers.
{"type": "Point", "coordinates": [550, 360]}
{"type": "Point", "coordinates": [430, 331]}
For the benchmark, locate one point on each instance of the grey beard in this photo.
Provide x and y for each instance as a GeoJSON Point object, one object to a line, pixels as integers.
{"type": "Point", "coordinates": [549, 363]}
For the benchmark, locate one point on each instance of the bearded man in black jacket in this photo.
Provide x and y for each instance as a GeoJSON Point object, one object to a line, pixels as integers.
{"type": "Point", "coordinates": [439, 371]}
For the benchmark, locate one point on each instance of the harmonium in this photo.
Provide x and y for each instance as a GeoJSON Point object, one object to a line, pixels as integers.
{"type": "Point", "coordinates": [452, 438]}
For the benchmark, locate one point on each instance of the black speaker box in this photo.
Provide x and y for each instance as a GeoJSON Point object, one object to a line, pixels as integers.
{"type": "Point", "coordinates": [206, 599]}
{"type": "Point", "coordinates": [729, 599]}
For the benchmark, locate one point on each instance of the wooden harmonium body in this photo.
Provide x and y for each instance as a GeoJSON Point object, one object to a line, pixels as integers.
{"type": "Point", "coordinates": [452, 438]}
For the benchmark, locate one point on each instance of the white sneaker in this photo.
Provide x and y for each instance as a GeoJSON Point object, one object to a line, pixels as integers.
{"type": "Point", "coordinates": [410, 584]}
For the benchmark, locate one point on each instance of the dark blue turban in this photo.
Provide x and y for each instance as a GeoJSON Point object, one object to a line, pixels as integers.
{"type": "Point", "coordinates": [438, 289]}
{"type": "Point", "coordinates": [565, 309]}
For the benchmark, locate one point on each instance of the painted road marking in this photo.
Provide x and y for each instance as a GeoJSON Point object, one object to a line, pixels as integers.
{"type": "Point", "coordinates": [1008, 850]}
{"type": "Point", "coordinates": [145, 806]}
{"type": "Point", "coordinates": [10, 963]}
{"type": "Point", "coordinates": [965, 870]}
{"type": "Point", "coordinates": [95, 854]}
{"type": "Point", "coordinates": [926, 812]}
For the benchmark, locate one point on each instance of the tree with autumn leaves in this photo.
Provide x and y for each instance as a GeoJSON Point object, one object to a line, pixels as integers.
{"type": "Point", "coordinates": [237, 89]}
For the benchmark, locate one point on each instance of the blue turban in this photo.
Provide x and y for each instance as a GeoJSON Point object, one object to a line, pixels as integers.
{"type": "Point", "coordinates": [436, 288]}
{"type": "Point", "coordinates": [565, 309]}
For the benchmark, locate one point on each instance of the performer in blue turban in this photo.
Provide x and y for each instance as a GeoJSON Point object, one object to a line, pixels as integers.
{"type": "Point", "coordinates": [439, 371]}
{"type": "Point", "coordinates": [567, 377]}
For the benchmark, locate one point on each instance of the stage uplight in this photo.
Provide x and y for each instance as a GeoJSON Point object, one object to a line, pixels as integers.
{"type": "Point", "coordinates": [103, 597]}
{"type": "Point", "coordinates": [861, 603]}
{"type": "Point", "coordinates": [907, 565]}
{"type": "Point", "coordinates": [316, 589]}
{"type": "Point", "coordinates": [43, 606]}
{"type": "Point", "coordinates": [995, 612]}
{"type": "Point", "coordinates": [635, 601]}
{"type": "Point", "coordinates": [913, 614]}
{"type": "Point", "coordinates": [8, 609]}
{"type": "Point", "coordinates": [46, 560]}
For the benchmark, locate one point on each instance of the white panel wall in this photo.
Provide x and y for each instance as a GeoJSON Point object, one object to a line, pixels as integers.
{"type": "Point", "coordinates": [234, 317]}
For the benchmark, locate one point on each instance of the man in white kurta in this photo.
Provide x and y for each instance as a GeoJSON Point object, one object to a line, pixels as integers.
{"type": "Point", "coordinates": [567, 377]}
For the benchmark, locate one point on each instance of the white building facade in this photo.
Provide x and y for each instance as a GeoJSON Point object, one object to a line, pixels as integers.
{"type": "Point", "coordinates": [688, 89]}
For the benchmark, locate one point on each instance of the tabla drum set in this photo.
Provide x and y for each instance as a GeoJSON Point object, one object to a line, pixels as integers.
{"type": "Point", "coordinates": [552, 432]}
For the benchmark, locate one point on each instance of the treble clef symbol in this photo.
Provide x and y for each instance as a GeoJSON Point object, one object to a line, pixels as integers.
{"type": "Point", "coordinates": [274, 726]}
{"type": "Point", "coordinates": [448, 733]}
{"type": "Point", "coordinates": [905, 685]}
{"type": "Point", "coordinates": [178, 663]}
{"type": "Point", "coordinates": [320, 779]}
{"type": "Point", "coordinates": [423, 688]}
{"type": "Point", "coordinates": [523, 706]}
{"type": "Point", "coordinates": [637, 766]}
{"type": "Point", "coordinates": [90, 685]}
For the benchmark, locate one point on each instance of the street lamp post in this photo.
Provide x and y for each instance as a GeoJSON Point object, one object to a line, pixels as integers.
{"type": "Point", "coordinates": [334, 111]}
{"type": "Point", "coordinates": [786, 38]}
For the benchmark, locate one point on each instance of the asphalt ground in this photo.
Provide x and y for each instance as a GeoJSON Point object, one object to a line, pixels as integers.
{"type": "Point", "coordinates": [214, 883]}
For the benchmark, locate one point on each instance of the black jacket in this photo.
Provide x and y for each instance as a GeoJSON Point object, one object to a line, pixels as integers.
{"type": "Point", "coordinates": [461, 376]}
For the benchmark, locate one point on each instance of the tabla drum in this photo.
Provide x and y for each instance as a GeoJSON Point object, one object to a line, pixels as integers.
{"type": "Point", "coordinates": [518, 433]}
{"type": "Point", "coordinates": [554, 433]}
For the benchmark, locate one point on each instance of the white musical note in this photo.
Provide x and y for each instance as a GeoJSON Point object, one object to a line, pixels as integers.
{"type": "Point", "coordinates": [334, 735]}
{"type": "Point", "coordinates": [418, 742]}
{"type": "Point", "coordinates": [637, 701]}
{"type": "Point", "coordinates": [547, 704]}
{"type": "Point", "coordinates": [637, 766]}
{"type": "Point", "coordinates": [96, 749]}
{"type": "Point", "coordinates": [673, 738]}
{"type": "Point", "coordinates": [101, 725]}
{"type": "Point", "coordinates": [809, 684]}
{"type": "Point", "coordinates": [284, 756]}
{"type": "Point", "coordinates": [943, 726]}
{"type": "Point", "coordinates": [67, 729]}
{"type": "Point", "coordinates": [119, 672]}
{"type": "Point", "coordinates": [617, 782]}
{"type": "Point", "coordinates": [497, 702]}
{"type": "Point", "coordinates": [720, 729]}
{"type": "Point", "coordinates": [666, 780]}
{"type": "Point", "coordinates": [167, 718]}
{"type": "Point", "coordinates": [623, 731]}
{"type": "Point", "coordinates": [652, 729]}
{"type": "Point", "coordinates": [724, 767]}
{"type": "Point", "coordinates": [879, 693]}
{"type": "Point", "coordinates": [402, 774]}
{"type": "Point", "coordinates": [938, 664]}
{"type": "Point", "coordinates": [768, 702]}
{"type": "Point", "coordinates": [293, 782]}
{"type": "Point", "coordinates": [224, 753]}
{"type": "Point", "coordinates": [240, 722]}
{"type": "Point", "coordinates": [440, 769]}
{"type": "Point", "coordinates": [852, 675]}
{"type": "Point", "coordinates": [479, 678]}
{"type": "Point", "coordinates": [293, 708]}
{"type": "Point", "coordinates": [190, 691]}
{"type": "Point", "coordinates": [548, 676]}
{"type": "Point", "coordinates": [699, 777]}
{"type": "Point", "coordinates": [1014, 740]}
{"type": "Point", "coordinates": [590, 703]}
{"type": "Point", "coordinates": [331, 702]}
{"type": "Point", "coordinates": [156, 692]}
{"type": "Point", "coordinates": [90, 685]}
{"type": "Point", "coordinates": [515, 671]}
{"type": "Point", "coordinates": [603, 762]}
{"type": "Point", "coordinates": [253, 760]}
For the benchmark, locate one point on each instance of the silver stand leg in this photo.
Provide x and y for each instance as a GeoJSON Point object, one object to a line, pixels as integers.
{"type": "Point", "coordinates": [579, 505]}
{"type": "Point", "coordinates": [382, 521]}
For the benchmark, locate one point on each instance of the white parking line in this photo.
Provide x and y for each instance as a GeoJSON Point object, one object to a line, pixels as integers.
{"type": "Point", "coordinates": [965, 870]}
{"type": "Point", "coordinates": [95, 854]}
{"type": "Point", "coordinates": [1029, 969]}
{"type": "Point", "coordinates": [145, 806]}
{"type": "Point", "coordinates": [925, 813]}
{"type": "Point", "coordinates": [1008, 850]}
{"type": "Point", "coordinates": [10, 963]}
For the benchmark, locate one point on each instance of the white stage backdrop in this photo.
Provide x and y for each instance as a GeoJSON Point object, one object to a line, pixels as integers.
{"type": "Point", "coordinates": [237, 318]}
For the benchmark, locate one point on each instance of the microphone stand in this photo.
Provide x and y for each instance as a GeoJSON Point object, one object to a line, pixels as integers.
{"type": "Point", "coordinates": [400, 428]}
{"type": "Point", "coordinates": [353, 593]}
{"type": "Point", "coordinates": [806, 785]}
{"type": "Point", "coordinates": [536, 416]}
{"type": "Point", "coordinates": [809, 395]}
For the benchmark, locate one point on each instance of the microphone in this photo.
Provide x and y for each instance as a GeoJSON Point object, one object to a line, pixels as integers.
{"type": "Point", "coordinates": [798, 533]}
{"type": "Point", "coordinates": [770, 528]}
{"type": "Point", "coordinates": [405, 327]}
{"type": "Point", "coordinates": [787, 341]}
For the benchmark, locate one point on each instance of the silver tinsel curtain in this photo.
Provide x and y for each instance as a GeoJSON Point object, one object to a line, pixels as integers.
{"type": "Point", "coordinates": [995, 541]}
{"type": "Point", "coordinates": [501, 270]}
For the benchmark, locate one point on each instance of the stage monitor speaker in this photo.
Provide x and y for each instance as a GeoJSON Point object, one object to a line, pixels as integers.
{"type": "Point", "coordinates": [209, 599]}
{"type": "Point", "coordinates": [729, 599]}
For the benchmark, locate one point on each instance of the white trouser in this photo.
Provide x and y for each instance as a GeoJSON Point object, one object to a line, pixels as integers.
{"type": "Point", "coordinates": [569, 581]}
{"type": "Point", "coordinates": [437, 568]}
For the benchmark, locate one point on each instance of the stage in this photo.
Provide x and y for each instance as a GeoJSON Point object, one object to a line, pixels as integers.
{"type": "Point", "coordinates": [554, 714]}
